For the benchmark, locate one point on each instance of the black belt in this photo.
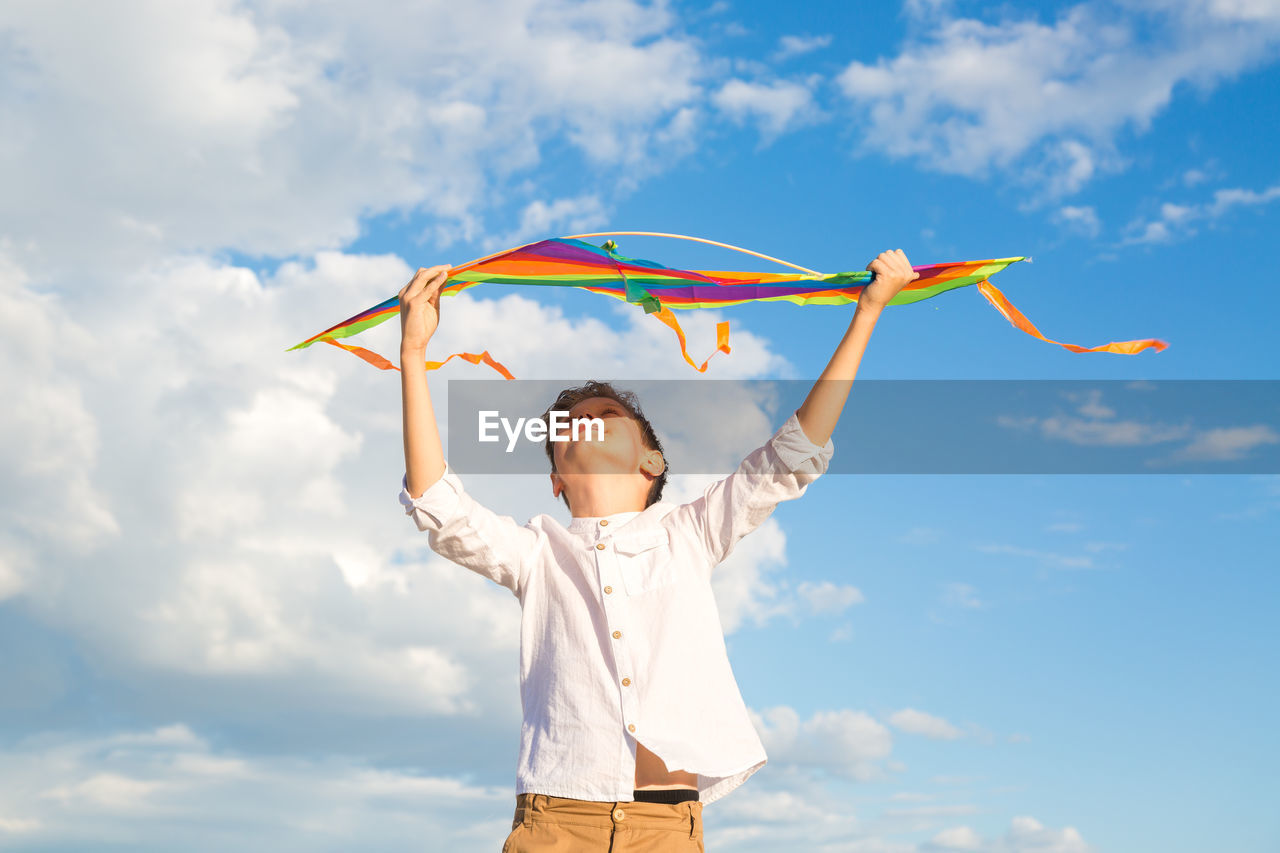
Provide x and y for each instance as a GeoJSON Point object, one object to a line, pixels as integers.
{"type": "Point", "coordinates": [669, 796]}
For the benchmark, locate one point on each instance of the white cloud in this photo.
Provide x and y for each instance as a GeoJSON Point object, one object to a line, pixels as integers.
{"type": "Point", "coordinates": [1193, 177]}
{"type": "Point", "coordinates": [150, 128]}
{"type": "Point", "coordinates": [921, 536]}
{"type": "Point", "coordinates": [931, 811]}
{"type": "Point", "coordinates": [1052, 558]}
{"type": "Point", "coordinates": [561, 216]}
{"type": "Point", "coordinates": [958, 838]}
{"type": "Point", "coordinates": [50, 436]}
{"type": "Point", "coordinates": [1025, 835]}
{"type": "Point", "coordinates": [1044, 101]}
{"type": "Point", "coordinates": [1108, 433]}
{"type": "Point", "coordinates": [1178, 221]}
{"type": "Point", "coordinates": [1149, 232]}
{"type": "Point", "coordinates": [1099, 547]}
{"type": "Point", "coordinates": [789, 46]}
{"type": "Point", "coordinates": [1225, 199]}
{"type": "Point", "coordinates": [1225, 444]}
{"type": "Point", "coordinates": [1089, 403]}
{"type": "Point", "coordinates": [775, 107]}
{"type": "Point", "coordinates": [1082, 219]}
{"type": "Point", "coordinates": [1065, 527]}
{"type": "Point", "coordinates": [919, 723]}
{"type": "Point", "coordinates": [843, 742]}
{"type": "Point", "coordinates": [828, 597]}
{"type": "Point", "coordinates": [170, 788]}
{"type": "Point", "coordinates": [961, 595]}
{"type": "Point", "coordinates": [751, 592]}
{"type": "Point", "coordinates": [746, 587]}
{"type": "Point", "coordinates": [1028, 834]}
{"type": "Point", "coordinates": [1098, 427]}
{"type": "Point", "coordinates": [207, 508]}
{"type": "Point", "coordinates": [1096, 433]}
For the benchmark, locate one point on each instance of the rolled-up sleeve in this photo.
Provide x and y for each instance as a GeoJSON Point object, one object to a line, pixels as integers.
{"type": "Point", "coordinates": [781, 469]}
{"type": "Point", "coordinates": [462, 530]}
{"type": "Point", "coordinates": [800, 456]}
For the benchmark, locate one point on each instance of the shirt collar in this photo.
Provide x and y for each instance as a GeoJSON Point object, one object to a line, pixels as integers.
{"type": "Point", "coordinates": [584, 523]}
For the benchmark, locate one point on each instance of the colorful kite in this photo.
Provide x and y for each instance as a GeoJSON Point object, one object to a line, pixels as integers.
{"type": "Point", "coordinates": [570, 262]}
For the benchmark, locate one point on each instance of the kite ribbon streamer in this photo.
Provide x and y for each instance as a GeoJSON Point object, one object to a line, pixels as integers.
{"type": "Point", "coordinates": [722, 338]}
{"type": "Point", "coordinates": [569, 262]}
{"type": "Point", "coordinates": [1016, 317]}
{"type": "Point", "coordinates": [475, 358]}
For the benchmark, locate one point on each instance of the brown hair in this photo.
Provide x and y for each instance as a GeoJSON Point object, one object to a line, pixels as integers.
{"type": "Point", "coordinates": [571, 397]}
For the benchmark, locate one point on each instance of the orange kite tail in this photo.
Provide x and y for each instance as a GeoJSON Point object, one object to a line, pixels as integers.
{"type": "Point", "coordinates": [722, 338]}
{"type": "Point", "coordinates": [383, 364]}
{"type": "Point", "coordinates": [1019, 320]}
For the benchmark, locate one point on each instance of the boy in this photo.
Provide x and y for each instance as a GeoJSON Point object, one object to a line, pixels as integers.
{"type": "Point", "coordinates": [632, 717]}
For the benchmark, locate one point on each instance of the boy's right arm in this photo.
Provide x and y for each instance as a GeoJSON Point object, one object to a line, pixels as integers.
{"type": "Point", "coordinates": [459, 528]}
{"type": "Point", "coordinates": [419, 318]}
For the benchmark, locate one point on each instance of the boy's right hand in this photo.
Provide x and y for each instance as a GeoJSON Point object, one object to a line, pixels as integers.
{"type": "Point", "coordinates": [420, 307]}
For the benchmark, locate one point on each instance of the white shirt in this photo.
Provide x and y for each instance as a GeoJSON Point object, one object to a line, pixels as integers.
{"type": "Point", "coordinates": [620, 639]}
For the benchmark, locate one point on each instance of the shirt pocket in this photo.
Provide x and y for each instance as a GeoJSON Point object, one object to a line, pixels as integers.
{"type": "Point", "coordinates": [645, 561]}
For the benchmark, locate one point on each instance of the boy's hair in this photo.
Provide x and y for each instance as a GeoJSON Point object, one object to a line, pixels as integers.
{"type": "Point", "coordinates": [571, 397]}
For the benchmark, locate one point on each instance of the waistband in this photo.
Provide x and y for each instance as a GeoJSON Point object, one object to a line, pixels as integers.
{"type": "Point", "coordinates": [683, 817]}
{"type": "Point", "coordinates": [671, 796]}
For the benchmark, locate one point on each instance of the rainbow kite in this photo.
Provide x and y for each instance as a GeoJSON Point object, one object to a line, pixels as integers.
{"type": "Point", "coordinates": [570, 262]}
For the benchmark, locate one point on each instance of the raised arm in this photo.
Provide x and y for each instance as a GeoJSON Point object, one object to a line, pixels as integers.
{"type": "Point", "coordinates": [821, 410]}
{"type": "Point", "coordinates": [419, 318]}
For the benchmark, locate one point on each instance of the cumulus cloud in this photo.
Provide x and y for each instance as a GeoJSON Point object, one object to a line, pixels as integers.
{"type": "Point", "coordinates": [751, 591]}
{"type": "Point", "coordinates": [790, 45]}
{"type": "Point", "coordinates": [212, 520]}
{"type": "Point", "coordinates": [1045, 101]}
{"type": "Point", "coordinates": [1225, 444]}
{"type": "Point", "coordinates": [828, 597]}
{"type": "Point", "coordinates": [844, 742]}
{"type": "Point", "coordinates": [170, 787]}
{"type": "Point", "coordinates": [1080, 219]}
{"type": "Point", "coordinates": [273, 129]}
{"type": "Point", "coordinates": [561, 216]}
{"type": "Point", "coordinates": [1179, 221]}
{"type": "Point", "coordinates": [1096, 424]}
{"type": "Point", "coordinates": [961, 595]}
{"type": "Point", "coordinates": [212, 523]}
{"type": "Point", "coordinates": [775, 107]}
{"type": "Point", "coordinates": [51, 436]}
{"type": "Point", "coordinates": [747, 589]}
{"type": "Point", "coordinates": [1025, 835]}
{"type": "Point", "coordinates": [1049, 558]}
{"type": "Point", "coordinates": [919, 723]}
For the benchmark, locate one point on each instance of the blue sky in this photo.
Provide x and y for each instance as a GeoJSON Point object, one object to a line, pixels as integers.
{"type": "Point", "coordinates": [216, 628]}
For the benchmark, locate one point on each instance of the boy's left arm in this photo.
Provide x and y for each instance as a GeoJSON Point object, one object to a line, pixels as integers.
{"type": "Point", "coordinates": [821, 409]}
{"type": "Point", "coordinates": [799, 452]}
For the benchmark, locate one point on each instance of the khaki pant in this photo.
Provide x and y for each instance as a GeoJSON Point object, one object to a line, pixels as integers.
{"type": "Point", "coordinates": [545, 824]}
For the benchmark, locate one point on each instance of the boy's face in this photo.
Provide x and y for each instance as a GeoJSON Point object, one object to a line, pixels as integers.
{"type": "Point", "coordinates": [621, 452]}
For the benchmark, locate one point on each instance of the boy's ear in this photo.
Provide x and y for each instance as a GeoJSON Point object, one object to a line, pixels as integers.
{"type": "Point", "coordinates": [557, 485]}
{"type": "Point", "coordinates": [653, 464]}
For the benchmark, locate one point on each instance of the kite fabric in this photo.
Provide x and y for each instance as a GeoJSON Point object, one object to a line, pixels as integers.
{"type": "Point", "coordinates": [570, 262]}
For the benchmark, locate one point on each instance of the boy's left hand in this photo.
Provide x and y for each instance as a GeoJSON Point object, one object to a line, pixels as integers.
{"type": "Point", "coordinates": [893, 272]}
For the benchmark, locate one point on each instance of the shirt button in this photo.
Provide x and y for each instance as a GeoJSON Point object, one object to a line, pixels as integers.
{"type": "Point", "coordinates": [631, 728]}
{"type": "Point", "coordinates": [608, 589]}
{"type": "Point", "coordinates": [617, 635]}
{"type": "Point", "coordinates": [626, 682]}
{"type": "Point", "coordinates": [619, 814]}
{"type": "Point", "coordinates": [600, 546]}
{"type": "Point", "coordinates": [604, 522]}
